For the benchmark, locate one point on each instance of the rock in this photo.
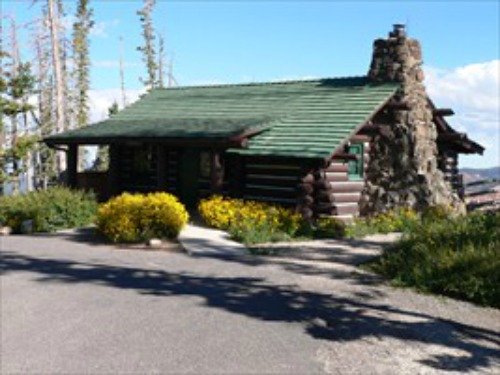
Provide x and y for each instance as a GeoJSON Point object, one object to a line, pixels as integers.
{"type": "Point", "coordinates": [27, 227]}
{"type": "Point", "coordinates": [5, 231]}
{"type": "Point", "coordinates": [403, 156]}
{"type": "Point", "coordinates": [155, 243]}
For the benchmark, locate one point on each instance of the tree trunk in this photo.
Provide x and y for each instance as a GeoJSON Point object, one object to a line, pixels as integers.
{"type": "Point", "coordinates": [53, 20]}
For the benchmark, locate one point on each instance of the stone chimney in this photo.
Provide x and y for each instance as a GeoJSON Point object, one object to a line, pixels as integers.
{"type": "Point", "coordinates": [402, 168]}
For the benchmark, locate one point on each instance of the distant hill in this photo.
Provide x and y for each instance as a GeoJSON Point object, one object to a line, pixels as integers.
{"type": "Point", "coordinates": [477, 174]}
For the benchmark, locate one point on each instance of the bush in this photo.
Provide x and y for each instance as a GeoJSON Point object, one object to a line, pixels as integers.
{"type": "Point", "coordinates": [454, 256]}
{"type": "Point", "coordinates": [329, 227]}
{"type": "Point", "coordinates": [138, 217]}
{"type": "Point", "coordinates": [50, 210]}
{"type": "Point", "coordinates": [219, 212]}
{"type": "Point", "coordinates": [397, 220]}
{"type": "Point", "coordinates": [250, 222]}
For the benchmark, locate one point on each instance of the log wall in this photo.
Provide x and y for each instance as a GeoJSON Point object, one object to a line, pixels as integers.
{"type": "Point", "coordinates": [335, 194]}
{"type": "Point", "coordinates": [280, 181]}
{"type": "Point", "coordinates": [448, 164]}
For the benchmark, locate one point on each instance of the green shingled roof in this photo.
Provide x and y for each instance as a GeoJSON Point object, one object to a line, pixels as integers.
{"type": "Point", "coordinates": [299, 118]}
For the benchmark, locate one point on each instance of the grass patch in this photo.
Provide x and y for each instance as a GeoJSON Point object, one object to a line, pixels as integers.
{"type": "Point", "coordinates": [453, 256]}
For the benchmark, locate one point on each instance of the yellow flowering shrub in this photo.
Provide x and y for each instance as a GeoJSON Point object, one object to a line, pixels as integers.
{"type": "Point", "coordinates": [219, 212]}
{"type": "Point", "coordinates": [138, 217]}
{"type": "Point", "coordinates": [241, 216]}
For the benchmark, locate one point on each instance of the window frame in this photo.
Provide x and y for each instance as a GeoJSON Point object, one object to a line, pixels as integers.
{"type": "Point", "coordinates": [358, 165]}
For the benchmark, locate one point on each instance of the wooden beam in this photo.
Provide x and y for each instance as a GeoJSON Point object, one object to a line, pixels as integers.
{"type": "Point", "coordinates": [452, 137]}
{"type": "Point", "coordinates": [216, 173]}
{"type": "Point", "coordinates": [114, 171]}
{"type": "Point", "coordinates": [161, 167]}
{"type": "Point", "coordinates": [72, 166]}
{"type": "Point", "coordinates": [443, 112]}
{"type": "Point", "coordinates": [400, 105]}
{"type": "Point", "coordinates": [344, 156]}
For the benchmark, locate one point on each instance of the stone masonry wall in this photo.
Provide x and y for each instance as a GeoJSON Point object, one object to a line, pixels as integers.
{"type": "Point", "coordinates": [403, 158]}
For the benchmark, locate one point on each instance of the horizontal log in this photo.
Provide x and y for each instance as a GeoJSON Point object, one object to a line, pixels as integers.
{"type": "Point", "coordinates": [273, 172]}
{"type": "Point", "coordinates": [305, 200]}
{"type": "Point", "coordinates": [328, 196]}
{"type": "Point", "coordinates": [337, 167]}
{"type": "Point", "coordinates": [324, 209]}
{"type": "Point", "coordinates": [347, 209]}
{"type": "Point", "coordinates": [335, 176]}
{"type": "Point", "coordinates": [309, 178]}
{"type": "Point", "coordinates": [344, 156]}
{"type": "Point", "coordinates": [369, 130]}
{"type": "Point", "coordinates": [271, 199]}
{"type": "Point", "coordinates": [322, 185]}
{"type": "Point", "coordinates": [269, 182]}
{"type": "Point", "coordinates": [305, 188]}
{"type": "Point", "coordinates": [360, 138]}
{"type": "Point", "coordinates": [347, 187]}
{"type": "Point", "coordinates": [346, 197]}
{"type": "Point", "coordinates": [278, 189]}
{"type": "Point", "coordinates": [399, 105]}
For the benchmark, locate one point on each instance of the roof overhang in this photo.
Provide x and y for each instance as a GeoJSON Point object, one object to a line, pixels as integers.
{"type": "Point", "coordinates": [449, 137]}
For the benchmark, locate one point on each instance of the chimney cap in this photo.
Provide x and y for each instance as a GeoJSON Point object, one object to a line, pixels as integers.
{"type": "Point", "coordinates": [398, 30]}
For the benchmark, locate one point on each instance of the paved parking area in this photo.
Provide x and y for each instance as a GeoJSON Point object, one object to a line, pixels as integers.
{"type": "Point", "coordinates": [70, 305]}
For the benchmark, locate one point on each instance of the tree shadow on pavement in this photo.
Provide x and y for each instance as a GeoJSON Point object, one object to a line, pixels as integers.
{"type": "Point", "coordinates": [333, 261]}
{"type": "Point", "coordinates": [323, 316]}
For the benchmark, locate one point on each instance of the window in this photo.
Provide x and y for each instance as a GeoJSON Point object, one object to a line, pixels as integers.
{"type": "Point", "coordinates": [143, 160]}
{"type": "Point", "coordinates": [205, 164]}
{"type": "Point", "coordinates": [355, 170]}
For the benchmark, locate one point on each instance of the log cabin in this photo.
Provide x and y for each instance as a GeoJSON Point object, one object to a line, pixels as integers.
{"type": "Point", "coordinates": [334, 146]}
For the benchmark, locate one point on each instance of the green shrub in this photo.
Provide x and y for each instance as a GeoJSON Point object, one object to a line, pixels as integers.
{"type": "Point", "coordinates": [329, 227]}
{"type": "Point", "coordinates": [251, 232]}
{"type": "Point", "coordinates": [139, 217]}
{"type": "Point", "coordinates": [50, 210]}
{"type": "Point", "coordinates": [397, 220]}
{"type": "Point", "coordinates": [438, 212]}
{"type": "Point", "coordinates": [454, 256]}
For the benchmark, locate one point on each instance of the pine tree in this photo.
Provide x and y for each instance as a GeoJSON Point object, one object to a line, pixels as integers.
{"type": "Point", "coordinates": [148, 49]}
{"type": "Point", "coordinates": [81, 60]}
{"type": "Point", "coordinates": [16, 86]}
{"type": "Point", "coordinates": [81, 73]}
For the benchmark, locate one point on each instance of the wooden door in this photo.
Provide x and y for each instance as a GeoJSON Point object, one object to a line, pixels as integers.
{"type": "Point", "coordinates": [188, 176]}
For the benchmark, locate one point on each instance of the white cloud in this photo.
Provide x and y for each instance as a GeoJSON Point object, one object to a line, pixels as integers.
{"type": "Point", "coordinates": [101, 100]}
{"type": "Point", "coordinates": [473, 91]}
{"type": "Point", "coordinates": [100, 29]}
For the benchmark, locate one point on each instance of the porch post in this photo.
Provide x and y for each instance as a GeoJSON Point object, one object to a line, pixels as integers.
{"type": "Point", "coordinates": [216, 173]}
{"type": "Point", "coordinates": [72, 166]}
{"type": "Point", "coordinates": [161, 166]}
{"type": "Point", "coordinates": [114, 170]}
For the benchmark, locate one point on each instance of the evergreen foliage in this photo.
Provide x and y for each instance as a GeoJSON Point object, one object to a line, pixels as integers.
{"type": "Point", "coordinates": [148, 49]}
{"type": "Point", "coordinates": [81, 29]}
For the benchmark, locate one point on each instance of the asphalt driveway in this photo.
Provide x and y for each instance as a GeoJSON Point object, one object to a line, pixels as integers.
{"type": "Point", "coordinates": [70, 305]}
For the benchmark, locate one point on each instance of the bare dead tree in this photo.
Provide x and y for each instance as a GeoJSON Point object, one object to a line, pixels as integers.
{"type": "Point", "coordinates": [161, 58]}
{"type": "Point", "coordinates": [122, 75]}
{"type": "Point", "coordinates": [53, 24]}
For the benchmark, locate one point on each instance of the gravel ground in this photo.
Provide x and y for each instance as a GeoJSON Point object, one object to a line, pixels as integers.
{"type": "Point", "coordinates": [72, 305]}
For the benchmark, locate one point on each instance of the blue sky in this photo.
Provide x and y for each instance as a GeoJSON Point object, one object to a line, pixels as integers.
{"type": "Point", "coordinates": [220, 42]}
